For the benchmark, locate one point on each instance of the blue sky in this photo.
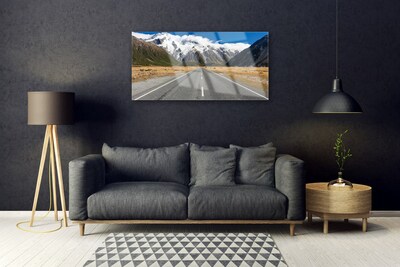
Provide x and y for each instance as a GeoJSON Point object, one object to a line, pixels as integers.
{"type": "Point", "coordinates": [225, 37]}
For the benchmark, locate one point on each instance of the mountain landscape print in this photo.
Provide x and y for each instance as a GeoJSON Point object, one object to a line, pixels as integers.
{"type": "Point", "coordinates": [200, 65]}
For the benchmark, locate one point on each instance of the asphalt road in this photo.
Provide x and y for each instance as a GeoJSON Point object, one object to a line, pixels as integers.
{"type": "Point", "coordinates": [200, 84]}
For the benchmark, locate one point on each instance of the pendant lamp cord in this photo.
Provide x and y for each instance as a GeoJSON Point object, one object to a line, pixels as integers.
{"type": "Point", "coordinates": [337, 39]}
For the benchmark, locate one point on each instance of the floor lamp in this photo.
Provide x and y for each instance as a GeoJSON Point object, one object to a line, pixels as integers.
{"type": "Point", "coordinates": [51, 109]}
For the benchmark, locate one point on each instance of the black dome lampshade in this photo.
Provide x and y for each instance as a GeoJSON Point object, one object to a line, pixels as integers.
{"type": "Point", "coordinates": [337, 101]}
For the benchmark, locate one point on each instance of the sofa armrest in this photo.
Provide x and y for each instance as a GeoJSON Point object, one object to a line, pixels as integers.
{"type": "Point", "coordinates": [86, 176]}
{"type": "Point", "coordinates": [290, 180]}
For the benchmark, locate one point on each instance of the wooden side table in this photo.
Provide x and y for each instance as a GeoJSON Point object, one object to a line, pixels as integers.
{"type": "Point", "coordinates": [338, 203]}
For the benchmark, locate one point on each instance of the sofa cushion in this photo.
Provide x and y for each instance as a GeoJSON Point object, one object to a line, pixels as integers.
{"type": "Point", "coordinates": [240, 202]}
{"type": "Point", "coordinates": [165, 164]}
{"type": "Point", "coordinates": [255, 165]}
{"type": "Point", "coordinates": [213, 167]}
{"type": "Point", "coordinates": [139, 200]}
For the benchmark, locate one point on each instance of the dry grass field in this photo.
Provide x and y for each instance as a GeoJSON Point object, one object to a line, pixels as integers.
{"type": "Point", "coordinates": [140, 73]}
{"type": "Point", "coordinates": [255, 77]}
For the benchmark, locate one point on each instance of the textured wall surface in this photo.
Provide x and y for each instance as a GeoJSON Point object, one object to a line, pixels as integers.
{"type": "Point", "coordinates": [84, 46]}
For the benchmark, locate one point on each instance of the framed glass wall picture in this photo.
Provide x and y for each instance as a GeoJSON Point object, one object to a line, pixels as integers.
{"type": "Point", "coordinates": [200, 66]}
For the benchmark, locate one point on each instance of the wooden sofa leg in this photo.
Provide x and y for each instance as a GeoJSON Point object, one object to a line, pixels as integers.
{"type": "Point", "coordinates": [292, 229]}
{"type": "Point", "coordinates": [82, 229]}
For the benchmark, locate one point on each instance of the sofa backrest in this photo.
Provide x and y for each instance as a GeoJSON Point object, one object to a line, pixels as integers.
{"type": "Point", "coordinates": [165, 164]}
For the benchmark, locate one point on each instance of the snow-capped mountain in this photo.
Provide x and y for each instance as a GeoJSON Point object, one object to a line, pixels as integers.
{"type": "Point", "coordinates": [188, 48]}
{"type": "Point", "coordinates": [149, 54]}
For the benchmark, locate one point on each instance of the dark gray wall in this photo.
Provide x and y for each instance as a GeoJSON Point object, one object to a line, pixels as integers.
{"type": "Point", "coordinates": [84, 46]}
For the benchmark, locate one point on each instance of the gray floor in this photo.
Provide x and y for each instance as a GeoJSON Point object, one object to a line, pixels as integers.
{"type": "Point", "coordinates": [345, 245]}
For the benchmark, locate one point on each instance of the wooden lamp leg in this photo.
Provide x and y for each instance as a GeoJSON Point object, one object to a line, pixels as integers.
{"type": "Point", "coordinates": [59, 173]}
{"type": "Point", "coordinates": [40, 174]}
{"type": "Point", "coordinates": [53, 174]}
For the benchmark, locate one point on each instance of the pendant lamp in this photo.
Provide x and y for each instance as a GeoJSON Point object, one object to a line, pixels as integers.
{"type": "Point", "coordinates": [337, 101]}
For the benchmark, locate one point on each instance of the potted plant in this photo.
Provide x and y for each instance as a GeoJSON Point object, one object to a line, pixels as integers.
{"type": "Point", "coordinates": [341, 154]}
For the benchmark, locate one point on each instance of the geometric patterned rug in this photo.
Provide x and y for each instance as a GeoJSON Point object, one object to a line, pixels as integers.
{"type": "Point", "coordinates": [187, 249]}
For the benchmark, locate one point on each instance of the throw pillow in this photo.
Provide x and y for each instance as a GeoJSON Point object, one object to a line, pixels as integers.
{"type": "Point", "coordinates": [255, 165]}
{"type": "Point", "coordinates": [213, 167]}
{"type": "Point", "coordinates": [164, 164]}
{"type": "Point", "coordinates": [205, 148]}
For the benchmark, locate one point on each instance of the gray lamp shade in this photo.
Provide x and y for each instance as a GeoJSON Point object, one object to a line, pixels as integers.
{"type": "Point", "coordinates": [50, 108]}
{"type": "Point", "coordinates": [337, 101]}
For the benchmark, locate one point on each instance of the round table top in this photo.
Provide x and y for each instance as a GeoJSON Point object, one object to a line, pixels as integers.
{"type": "Point", "coordinates": [324, 187]}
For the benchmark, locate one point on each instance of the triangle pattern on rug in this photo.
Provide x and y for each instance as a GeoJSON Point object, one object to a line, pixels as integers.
{"type": "Point", "coordinates": [187, 249]}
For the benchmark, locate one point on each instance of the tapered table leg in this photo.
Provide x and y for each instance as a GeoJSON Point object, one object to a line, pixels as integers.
{"type": "Point", "coordinates": [364, 224]}
{"type": "Point", "coordinates": [326, 225]}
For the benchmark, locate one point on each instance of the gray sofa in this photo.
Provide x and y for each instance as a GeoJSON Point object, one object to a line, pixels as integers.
{"type": "Point", "coordinates": [187, 184]}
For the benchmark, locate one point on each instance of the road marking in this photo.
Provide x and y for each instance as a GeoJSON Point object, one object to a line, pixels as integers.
{"type": "Point", "coordinates": [163, 85]}
{"type": "Point", "coordinates": [201, 82]}
{"type": "Point", "coordinates": [248, 89]}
